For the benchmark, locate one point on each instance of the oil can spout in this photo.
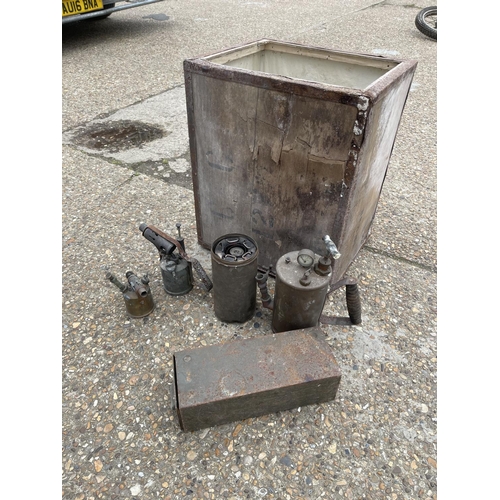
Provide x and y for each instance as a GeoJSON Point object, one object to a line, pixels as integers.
{"type": "Point", "coordinates": [331, 247]}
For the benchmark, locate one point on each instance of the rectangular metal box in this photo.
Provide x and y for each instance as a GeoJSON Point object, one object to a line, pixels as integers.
{"type": "Point", "coordinates": [246, 378]}
{"type": "Point", "coordinates": [291, 142]}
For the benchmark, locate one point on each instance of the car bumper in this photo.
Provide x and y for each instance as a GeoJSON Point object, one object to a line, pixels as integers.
{"type": "Point", "coordinates": [128, 4]}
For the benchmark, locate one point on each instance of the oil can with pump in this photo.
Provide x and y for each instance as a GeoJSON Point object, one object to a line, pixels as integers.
{"type": "Point", "coordinates": [302, 285]}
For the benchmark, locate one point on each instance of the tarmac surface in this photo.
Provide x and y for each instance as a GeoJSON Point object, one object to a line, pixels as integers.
{"type": "Point", "coordinates": [120, 439]}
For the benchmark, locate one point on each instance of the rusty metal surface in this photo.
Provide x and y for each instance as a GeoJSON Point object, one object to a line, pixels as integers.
{"type": "Point", "coordinates": [295, 305]}
{"type": "Point", "coordinates": [137, 294]}
{"type": "Point", "coordinates": [177, 276]}
{"type": "Point", "coordinates": [250, 377]}
{"type": "Point", "coordinates": [137, 306]}
{"type": "Point", "coordinates": [235, 288]}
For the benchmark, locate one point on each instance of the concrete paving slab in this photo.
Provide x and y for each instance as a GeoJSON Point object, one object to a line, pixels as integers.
{"type": "Point", "coordinates": [166, 110]}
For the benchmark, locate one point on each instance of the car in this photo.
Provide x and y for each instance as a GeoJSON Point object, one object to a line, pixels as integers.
{"type": "Point", "coordinates": [78, 10]}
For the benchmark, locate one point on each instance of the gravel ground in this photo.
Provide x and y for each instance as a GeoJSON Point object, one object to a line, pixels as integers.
{"type": "Point", "coordinates": [120, 438]}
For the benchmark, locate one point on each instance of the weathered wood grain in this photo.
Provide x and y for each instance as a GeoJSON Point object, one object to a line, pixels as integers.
{"type": "Point", "coordinates": [285, 160]}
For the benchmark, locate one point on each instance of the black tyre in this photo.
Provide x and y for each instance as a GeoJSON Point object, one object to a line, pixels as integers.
{"type": "Point", "coordinates": [426, 22]}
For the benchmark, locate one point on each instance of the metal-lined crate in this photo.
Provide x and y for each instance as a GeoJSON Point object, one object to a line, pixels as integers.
{"type": "Point", "coordinates": [291, 142]}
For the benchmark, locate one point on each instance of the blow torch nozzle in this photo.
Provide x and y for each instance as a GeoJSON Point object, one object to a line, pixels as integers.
{"type": "Point", "coordinates": [116, 282]}
{"type": "Point", "coordinates": [153, 235]}
{"type": "Point", "coordinates": [331, 247]}
{"type": "Point", "coordinates": [139, 287]}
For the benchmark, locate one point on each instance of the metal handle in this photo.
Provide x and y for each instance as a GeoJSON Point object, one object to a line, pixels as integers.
{"type": "Point", "coordinates": [353, 301]}
{"type": "Point", "coordinates": [206, 282]}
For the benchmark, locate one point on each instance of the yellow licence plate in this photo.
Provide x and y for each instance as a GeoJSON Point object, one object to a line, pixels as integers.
{"type": "Point", "coordinates": [71, 7]}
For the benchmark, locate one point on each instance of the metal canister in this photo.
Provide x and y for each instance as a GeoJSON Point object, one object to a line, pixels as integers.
{"type": "Point", "coordinates": [302, 283]}
{"type": "Point", "coordinates": [234, 267]}
{"type": "Point", "coordinates": [137, 294]}
{"type": "Point", "coordinates": [177, 275]}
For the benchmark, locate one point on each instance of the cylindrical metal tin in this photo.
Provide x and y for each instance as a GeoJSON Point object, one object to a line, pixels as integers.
{"type": "Point", "coordinates": [137, 294]}
{"type": "Point", "coordinates": [297, 305]}
{"type": "Point", "coordinates": [234, 267]}
{"type": "Point", "coordinates": [177, 276]}
{"type": "Point", "coordinates": [137, 305]}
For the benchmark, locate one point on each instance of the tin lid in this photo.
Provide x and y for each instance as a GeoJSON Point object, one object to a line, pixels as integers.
{"type": "Point", "coordinates": [234, 248]}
